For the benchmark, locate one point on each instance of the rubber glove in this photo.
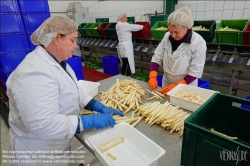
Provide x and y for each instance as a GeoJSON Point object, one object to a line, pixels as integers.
{"type": "Point", "coordinates": [152, 83]}
{"type": "Point", "coordinates": [98, 121]}
{"type": "Point", "coordinates": [166, 89]}
{"type": "Point", "coordinates": [99, 107]}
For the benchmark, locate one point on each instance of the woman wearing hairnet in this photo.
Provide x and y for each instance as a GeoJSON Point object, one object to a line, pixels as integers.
{"type": "Point", "coordinates": [182, 53]}
{"type": "Point", "coordinates": [125, 47]}
{"type": "Point", "coordinates": [44, 97]}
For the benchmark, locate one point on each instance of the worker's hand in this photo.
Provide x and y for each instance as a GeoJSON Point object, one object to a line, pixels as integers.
{"type": "Point", "coordinates": [99, 107]}
{"type": "Point", "coordinates": [168, 88]}
{"type": "Point", "coordinates": [98, 121]}
{"type": "Point", "coordinates": [152, 83]}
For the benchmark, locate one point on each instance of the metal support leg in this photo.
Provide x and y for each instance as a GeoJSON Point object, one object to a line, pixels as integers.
{"type": "Point", "coordinates": [231, 82]}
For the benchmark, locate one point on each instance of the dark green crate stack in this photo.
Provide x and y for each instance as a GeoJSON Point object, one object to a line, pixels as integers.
{"type": "Point", "coordinates": [101, 20]}
{"type": "Point", "coordinates": [208, 36]}
{"type": "Point", "coordinates": [93, 29]}
{"type": "Point", "coordinates": [154, 19]}
{"type": "Point", "coordinates": [110, 30]}
{"type": "Point", "coordinates": [200, 146]}
{"type": "Point", "coordinates": [231, 37]}
{"type": "Point", "coordinates": [86, 29]}
{"type": "Point", "coordinates": [80, 28]}
{"type": "Point", "coordinates": [140, 76]}
{"type": "Point", "coordinates": [159, 34]}
{"type": "Point", "coordinates": [131, 20]}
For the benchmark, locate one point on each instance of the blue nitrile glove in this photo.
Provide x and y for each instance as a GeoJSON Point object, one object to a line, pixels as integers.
{"type": "Point", "coordinates": [98, 121]}
{"type": "Point", "coordinates": [99, 107]}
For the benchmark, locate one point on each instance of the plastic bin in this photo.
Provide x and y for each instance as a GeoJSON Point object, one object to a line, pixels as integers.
{"type": "Point", "coordinates": [140, 76]}
{"type": "Point", "coordinates": [209, 35]}
{"type": "Point", "coordinates": [205, 94]}
{"type": "Point", "coordinates": [110, 30]}
{"type": "Point", "coordinates": [200, 146]}
{"type": "Point", "coordinates": [11, 23]}
{"type": "Point", "coordinates": [9, 62]}
{"type": "Point", "coordinates": [80, 28]}
{"type": "Point", "coordinates": [111, 61]}
{"type": "Point", "coordinates": [89, 87]}
{"type": "Point", "coordinates": [100, 20]}
{"type": "Point", "coordinates": [13, 42]}
{"type": "Point", "coordinates": [86, 29]}
{"type": "Point", "coordinates": [144, 33]}
{"type": "Point", "coordinates": [159, 80]}
{"type": "Point", "coordinates": [101, 29]}
{"type": "Point", "coordinates": [93, 29]}
{"type": "Point", "coordinates": [159, 34]}
{"type": "Point", "coordinates": [246, 106]}
{"type": "Point", "coordinates": [75, 63]}
{"type": "Point", "coordinates": [111, 70]}
{"type": "Point", "coordinates": [79, 75]}
{"type": "Point", "coordinates": [247, 35]}
{"type": "Point", "coordinates": [203, 84]}
{"type": "Point", "coordinates": [33, 20]}
{"type": "Point", "coordinates": [136, 150]}
{"type": "Point", "coordinates": [131, 20]}
{"type": "Point", "coordinates": [155, 19]}
{"type": "Point", "coordinates": [9, 6]}
{"type": "Point", "coordinates": [231, 37]}
{"type": "Point", "coordinates": [34, 6]}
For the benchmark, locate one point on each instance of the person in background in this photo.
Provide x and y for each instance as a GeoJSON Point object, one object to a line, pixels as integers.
{"type": "Point", "coordinates": [45, 99]}
{"type": "Point", "coordinates": [182, 53]}
{"type": "Point", "coordinates": [125, 47]}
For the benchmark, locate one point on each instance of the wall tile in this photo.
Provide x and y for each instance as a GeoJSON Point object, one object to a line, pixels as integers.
{"type": "Point", "coordinates": [193, 6]}
{"type": "Point", "coordinates": [128, 12]}
{"type": "Point", "coordinates": [239, 4]}
{"type": "Point", "coordinates": [201, 7]}
{"type": "Point", "coordinates": [209, 15]}
{"type": "Point", "coordinates": [143, 11]}
{"type": "Point", "coordinates": [200, 15]}
{"type": "Point", "coordinates": [227, 14]}
{"type": "Point", "coordinates": [138, 11]}
{"type": "Point", "coordinates": [153, 9]}
{"type": "Point", "coordinates": [107, 14]}
{"type": "Point", "coordinates": [160, 9]}
{"type": "Point", "coordinates": [178, 6]}
{"type": "Point", "coordinates": [209, 6]}
{"type": "Point", "coordinates": [117, 13]}
{"type": "Point", "coordinates": [110, 13]}
{"type": "Point", "coordinates": [133, 12]}
{"type": "Point", "coordinates": [247, 5]}
{"type": "Point", "coordinates": [237, 14]}
{"type": "Point", "coordinates": [194, 15]}
{"type": "Point", "coordinates": [229, 5]}
{"type": "Point", "coordinates": [147, 10]}
{"type": "Point", "coordinates": [137, 17]}
{"type": "Point", "coordinates": [246, 14]}
{"type": "Point", "coordinates": [219, 5]}
{"type": "Point", "coordinates": [217, 15]}
{"type": "Point", "coordinates": [188, 5]}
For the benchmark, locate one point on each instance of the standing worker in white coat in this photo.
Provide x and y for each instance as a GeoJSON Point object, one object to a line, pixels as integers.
{"type": "Point", "coordinates": [182, 53]}
{"type": "Point", "coordinates": [45, 99]}
{"type": "Point", "coordinates": [125, 47]}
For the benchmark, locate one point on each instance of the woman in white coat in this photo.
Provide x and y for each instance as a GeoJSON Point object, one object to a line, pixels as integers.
{"type": "Point", "coordinates": [182, 53]}
{"type": "Point", "coordinates": [45, 99]}
{"type": "Point", "coordinates": [125, 47]}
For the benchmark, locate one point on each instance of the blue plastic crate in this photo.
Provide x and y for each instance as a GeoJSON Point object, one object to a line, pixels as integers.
{"type": "Point", "coordinates": [34, 5]}
{"type": "Point", "coordinates": [33, 20]}
{"type": "Point", "coordinates": [75, 63]}
{"type": "Point", "coordinates": [13, 42]}
{"type": "Point", "coordinates": [11, 23]}
{"type": "Point", "coordinates": [111, 71]}
{"type": "Point", "coordinates": [159, 80]}
{"type": "Point", "coordinates": [203, 84]}
{"type": "Point", "coordinates": [4, 76]}
{"type": "Point", "coordinates": [32, 46]}
{"type": "Point", "coordinates": [247, 107]}
{"type": "Point", "coordinates": [9, 62]}
{"type": "Point", "coordinates": [110, 60]}
{"type": "Point", "coordinates": [9, 6]}
{"type": "Point", "coordinates": [79, 75]}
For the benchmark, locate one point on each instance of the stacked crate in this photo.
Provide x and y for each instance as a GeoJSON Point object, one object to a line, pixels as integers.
{"type": "Point", "coordinates": [34, 13]}
{"type": "Point", "coordinates": [14, 44]}
{"type": "Point", "coordinates": [110, 65]}
{"type": "Point", "coordinates": [75, 63]}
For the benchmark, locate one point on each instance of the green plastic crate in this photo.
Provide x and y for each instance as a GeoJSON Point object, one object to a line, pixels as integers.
{"type": "Point", "coordinates": [131, 20]}
{"type": "Point", "coordinates": [140, 76]}
{"type": "Point", "coordinates": [94, 31]}
{"type": "Point", "coordinates": [93, 64]}
{"type": "Point", "coordinates": [208, 36]}
{"type": "Point", "coordinates": [100, 20]}
{"type": "Point", "coordinates": [154, 19]}
{"type": "Point", "coordinates": [110, 30]}
{"type": "Point", "coordinates": [80, 28]}
{"type": "Point", "coordinates": [202, 147]}
{"type": "Point", "coordinates": [231, 37]}
{"type": "Point", "coordinates": [159, 34]}
{"type": "Point", "coordinates": [87, 30]}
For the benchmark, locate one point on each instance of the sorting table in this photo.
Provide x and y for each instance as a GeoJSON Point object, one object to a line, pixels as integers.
{"type": "Point", "coordinates": [171, 143]}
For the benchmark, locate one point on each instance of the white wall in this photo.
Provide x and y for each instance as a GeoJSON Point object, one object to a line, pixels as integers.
{"type": "Point", "coordinates": [218, 10]}
{"type": "Point", "coordinates": [110, 9]}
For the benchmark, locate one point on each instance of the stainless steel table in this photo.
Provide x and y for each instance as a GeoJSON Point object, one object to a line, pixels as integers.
{"type": "Point", "coordinates": [171, 143]}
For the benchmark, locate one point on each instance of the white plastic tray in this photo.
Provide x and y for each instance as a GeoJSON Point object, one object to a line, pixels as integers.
{"type": "Point", "coordinates": [187, 104]}
{"type": "Point", "coordinates": [89, 87]}
{"type": "Point", "coordinates": [136, 150]}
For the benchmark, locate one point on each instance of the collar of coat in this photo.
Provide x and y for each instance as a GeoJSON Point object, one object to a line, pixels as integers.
{"type": "Point", "coordinates": [62, 64]}
{"type": "Point", "coordinates": [186, 39]}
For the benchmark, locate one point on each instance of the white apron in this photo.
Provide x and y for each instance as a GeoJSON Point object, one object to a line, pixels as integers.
{"type": "Point", "coordinates": [128, 52]}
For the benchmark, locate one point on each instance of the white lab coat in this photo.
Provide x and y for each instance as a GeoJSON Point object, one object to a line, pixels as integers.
{"type": "Point", "coordinates": [44, 105]}
{"type": "Point", "coordinates": [186, 59]}
{"type": "Point", "coordinates": [125, 47]}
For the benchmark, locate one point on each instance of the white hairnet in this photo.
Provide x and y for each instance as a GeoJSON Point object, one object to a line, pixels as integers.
{"type": "Point", "coordinates": [120, 16]}
{"type": "Point", "coordinates": [182, 16]}
{"type": "Point", "coordinates": [51, 27]}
